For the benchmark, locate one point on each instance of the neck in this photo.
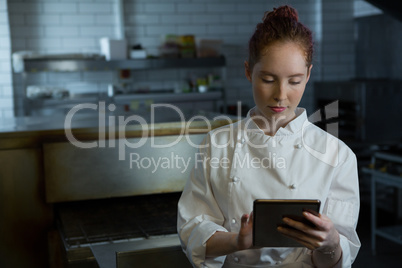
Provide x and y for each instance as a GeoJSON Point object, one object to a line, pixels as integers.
{"type": "Point", "coordinates": [271, 125]}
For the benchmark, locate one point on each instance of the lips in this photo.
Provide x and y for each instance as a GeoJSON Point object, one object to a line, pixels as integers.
{"type": "Point", "coordinates": [277, 109]}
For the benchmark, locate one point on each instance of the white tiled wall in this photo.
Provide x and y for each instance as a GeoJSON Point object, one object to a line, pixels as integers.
{"type": "Point", "coordinates": [6, 93]}
{"type": "Point", "coordinates": [69, 26]}
{"type": "Point", "coordinates": [338, 48]}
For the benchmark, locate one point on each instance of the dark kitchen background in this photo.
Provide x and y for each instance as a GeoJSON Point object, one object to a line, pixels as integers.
{"type": "Point", "coordinates": [189, 53]}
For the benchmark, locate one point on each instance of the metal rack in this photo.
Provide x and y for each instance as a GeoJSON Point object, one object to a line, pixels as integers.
{"type": "Point", "coordinates": [79, 63]}
{"type": "Point", "coordinates": [82, 64]}
{"type": "Point", "coordinates": [393, 232]}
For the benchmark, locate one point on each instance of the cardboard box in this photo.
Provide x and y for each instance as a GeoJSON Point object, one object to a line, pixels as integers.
{"type": "Point", "coordinates": [113, 49]}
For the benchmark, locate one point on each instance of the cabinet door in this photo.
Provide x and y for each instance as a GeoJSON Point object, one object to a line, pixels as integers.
{"type": "Point", "coordinates": [24, 216]}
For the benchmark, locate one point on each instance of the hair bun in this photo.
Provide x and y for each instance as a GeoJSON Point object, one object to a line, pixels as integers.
{"type": "Point", "coordinates": [282, 12]}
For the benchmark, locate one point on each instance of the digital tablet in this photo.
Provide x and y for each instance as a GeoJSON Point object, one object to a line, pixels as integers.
{"type": "Point", "coordinates": [268, 214]}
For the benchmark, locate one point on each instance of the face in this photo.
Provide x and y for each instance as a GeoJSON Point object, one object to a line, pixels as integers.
{"type": "Point", "coordinates": [278, 81]}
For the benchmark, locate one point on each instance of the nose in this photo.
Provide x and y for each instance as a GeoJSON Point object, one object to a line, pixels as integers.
{"type": "Point", "coordinates": [280, 93]}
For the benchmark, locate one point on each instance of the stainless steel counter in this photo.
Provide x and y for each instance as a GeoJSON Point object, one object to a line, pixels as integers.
{"type": "Point", "coordinates": [89, 118]}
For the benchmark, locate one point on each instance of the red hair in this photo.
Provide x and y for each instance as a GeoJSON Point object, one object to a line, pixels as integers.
{"type": "Point", "coordinates": [281, 24]}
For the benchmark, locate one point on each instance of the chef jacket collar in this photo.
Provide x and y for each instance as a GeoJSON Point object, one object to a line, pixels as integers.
{"type": "Point", "coordinates": [292, 127]}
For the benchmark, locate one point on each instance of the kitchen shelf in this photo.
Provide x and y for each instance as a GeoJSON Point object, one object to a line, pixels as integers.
{"type": "Point", "coordinates": [393, 232]}
{"type": "Point", "coordinates": [126, 98]}
{"type": "Point", "coordinates": [82, 64]}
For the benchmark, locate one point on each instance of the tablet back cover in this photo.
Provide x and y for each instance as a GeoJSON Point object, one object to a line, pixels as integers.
{"type": "Point", "coordinates": [268, 216]}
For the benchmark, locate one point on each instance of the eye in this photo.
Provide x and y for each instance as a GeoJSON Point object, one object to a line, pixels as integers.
{"type": "Point", "coordinates": [267, 81]}
{"type": "Point", "coordinates": [294, 82]}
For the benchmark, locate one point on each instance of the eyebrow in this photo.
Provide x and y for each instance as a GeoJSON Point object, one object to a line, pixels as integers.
{"type": "Point", "coordinates": [271, 74]}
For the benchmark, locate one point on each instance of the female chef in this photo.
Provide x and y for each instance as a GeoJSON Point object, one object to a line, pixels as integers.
{"type": "Point", "coordinates": [274, 153]}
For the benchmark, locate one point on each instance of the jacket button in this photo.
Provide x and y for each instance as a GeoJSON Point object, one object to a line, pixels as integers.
{"type": "Point", "coordinates": [235, 179]}
{"type": "Point", "coordinates": [236, 259]}
{"type": "Point", "coordinates": [292, 187]}
{"type": "Point", "coordinates": [242, 140]}
{"type": "Point", "coordinates": [233, 221]}
{"type": "Point", "coordinates": [298, 146]}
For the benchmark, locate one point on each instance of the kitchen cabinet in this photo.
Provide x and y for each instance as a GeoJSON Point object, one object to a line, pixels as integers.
{"type": "Point", "coordinates": [31, 65]}
{"type": "Point", "coordinates": [24, 216]}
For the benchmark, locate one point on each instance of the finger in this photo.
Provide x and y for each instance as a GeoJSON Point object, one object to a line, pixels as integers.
{"type": "Point", "coordinates": [297, 224]}
{"type": "Point", "coordinates": [293, 234]}
{"type": "Point", "coordinates": [302, 230]}
{"type": "Point", "coordinates": [244, 219]}
{"type": "Point", "coordinates": [316, 220]}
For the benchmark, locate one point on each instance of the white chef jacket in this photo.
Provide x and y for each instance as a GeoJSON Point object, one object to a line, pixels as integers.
{"type": "Point", "coordinates": [240, 164]}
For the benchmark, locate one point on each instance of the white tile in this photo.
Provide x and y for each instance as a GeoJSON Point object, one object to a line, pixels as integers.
{"type": "Point", "coordinates": [63, 77]}
{"type": "Point", "coordinates": [59, 31]}
{"type": "Point", "coordinates": [19, 43]}
{"type": "Point", "coordinates": [5, 79]}
{"type": "Point", "coordinates": [5, 43]}
{"type": "Point", "coordinates": [4, 30]}
{"type": "Point", "coordinates": [37, 78]}
{"type": "Point", "coordinates": [7, 90]}
{"type": "Point", "coordinates": [160, 7]}
{"type": "Point", "coordinates": [191, 29]}
{"type": "Point", "coordinates": [88, 19]}
{"type": "Point", "coordinates": [251, 7]}
{"type": "Point", "coordinates": [136, 30]}
{"type": "Point", "coordinates": [8, 113]}
{"type": "Point", "coordinates": [221, 8]}
{"type": "Point", "coordinates": [206, 18]}
{"type": "Point", "coordinates": [160, 30]}
{"type": "Point", "coordinates": [17, 19]}
{"type": "Point", "coordinates": [145, 19]}
{"type": "Point", "coordinates": [3, 17]}
{"type": "Point", "coordinates": [79, 42]}
{"type": "Point", "coordinates": [27, 31]}
{"type": "Point", "coordinates": [176, 19]}
{"type": "Point", "coordinates": [94, 8]}
{"type": "Point", "coordinates": [221, 29]}
{"type": "Point", "coordinates": [6, 103]}
{"type": "Point", "coordinates": [96, 31]}
{"type": "Point", "coordinates": [191, 8]}
{"type": "Point", "coordinates": [104, 19]}
{"type": "Point", "coordinates": [236, 18]}
{"type": "Point", "coordinates": [22, 7]}
{"type": "Point", "coordinates": [5, 66]}
{"type": "Point", "coordinates": [146, 41]}
{"type": "Point", "coordinates": [60, 7]}
{"type": "Point", "coordinates": [134, 8]}
{"type": "Point", "coordinates": [5, 55]}
{"type": "Point", "coordinates": [43, 43]}
{"type": "Point", "coordinates": [3, 5]}
{"type": "Point", "coordinates": [245, 29]}
{"type": "Point", "coordinates": [101, 76]}
{"type": "Point", "coordinates": [40, 19]}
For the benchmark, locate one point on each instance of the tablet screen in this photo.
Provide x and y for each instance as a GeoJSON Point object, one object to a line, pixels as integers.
{"type": "Point", "coordinates": [268, 214]}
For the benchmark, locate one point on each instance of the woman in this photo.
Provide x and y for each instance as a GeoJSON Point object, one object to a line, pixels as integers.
{"type": "Point", "coordinates": [274, 153]}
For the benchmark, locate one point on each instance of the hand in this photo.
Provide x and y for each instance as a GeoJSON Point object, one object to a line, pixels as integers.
{"type": "Point", "coordinates": [323, 237]}
{"type": "Point", "coordinates": [245, 236]}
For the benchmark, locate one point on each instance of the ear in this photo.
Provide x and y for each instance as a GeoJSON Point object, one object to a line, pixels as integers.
{"type": "Point", "coordinates": [247, 70]}
{"type": "Point", "coordinates": [309, 72]}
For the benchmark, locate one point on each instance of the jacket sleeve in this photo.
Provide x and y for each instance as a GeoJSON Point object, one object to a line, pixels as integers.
{"type": "Point", "coordinates": [342, 206]}
{"type": "Point", "coordinates": [199, 215]}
